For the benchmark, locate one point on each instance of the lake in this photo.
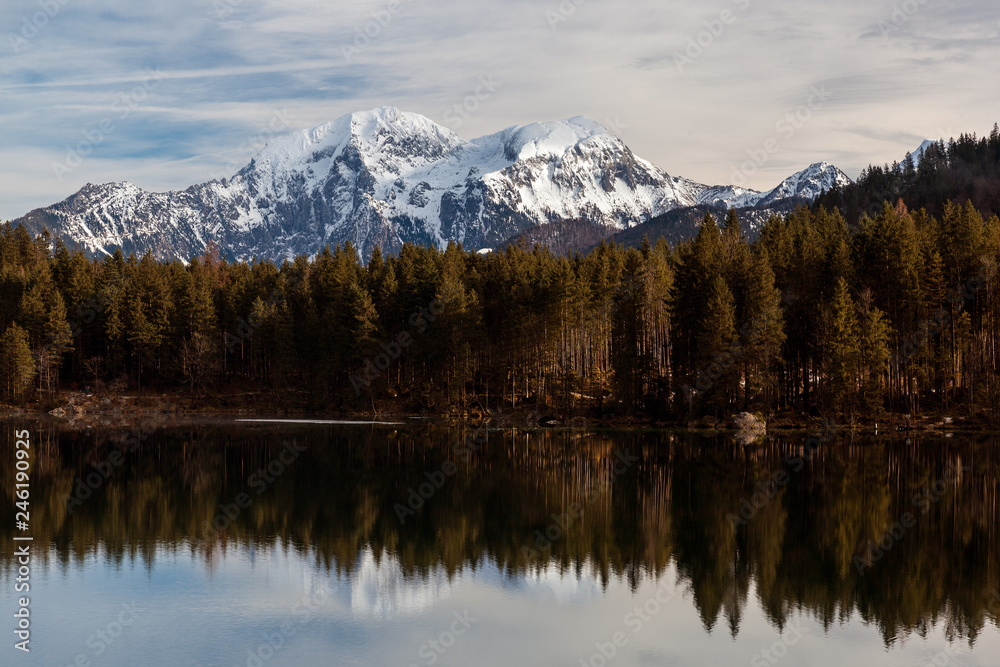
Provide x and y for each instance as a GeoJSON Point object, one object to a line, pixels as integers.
{"type": "Point", "coordinates": [260, 543]}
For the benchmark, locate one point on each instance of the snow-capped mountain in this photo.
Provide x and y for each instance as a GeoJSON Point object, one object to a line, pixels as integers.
{"type": "Point", "coordinates": [918, 154]}
{"type": "Point", "coordinates": [806, 184]}
{"type": "Point", "coordinates": [385, 177]}
{"type": "Point", "coordinates": [809, 183]}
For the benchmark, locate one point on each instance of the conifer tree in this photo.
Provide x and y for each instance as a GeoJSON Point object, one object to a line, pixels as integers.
{"type": "Point", "coordinates": [698, 263]}
{"type": "Point", "coordinates": [874, 334]}
{"type": "Point", "coordinates": [843, 355]}
{"type": "Point", "coordinates": [718, 350]}
{"type": "Point", "coordinates": [763, 331]}
{"type": "Point", "coordinates": [17, 364]}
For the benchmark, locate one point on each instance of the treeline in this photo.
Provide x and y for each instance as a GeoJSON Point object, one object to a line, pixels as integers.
{"type": "Point", "coordinates": [900, 312]}
{"type": "Point", "coordinates": [960, 170]}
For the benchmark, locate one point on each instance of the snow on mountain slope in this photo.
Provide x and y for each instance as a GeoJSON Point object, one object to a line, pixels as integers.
{"type": "Point", "coordinates": [386, 177]}
{"type": "Point", "coordinates": [729, 196]}
{"type": "Point", "coordinates": [806, 184]}
{"type": "Point", "coordinates": [809, 183]}
{"type": "Point", "coordinates": [918, 154]}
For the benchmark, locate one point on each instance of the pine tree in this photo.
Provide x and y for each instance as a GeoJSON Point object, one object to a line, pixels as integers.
{"type": "Point", "coordinates": [43, 314]}
{"type": "Point", "coordinates": [17, 364]}
{"type": "Point", "coordinates": [629, 359]}
{"type": "Point", "coordinates": [763, 332]}
{"type": "Point", "coordinates": [843, 355]}
{"type": "Point", "coordinates": [196, 303]}
{"type": "Point", "coordinates": [718, 348]}
{"type": "Point", "coordinates": [360, 329]}
{"type": "Point", "coordinates": [147, 311]}
{"type": "Point", "coordinates": [58, 337]}
{"type": "Point", "coordinates": [874, 334]}
{"type": "Point", "coordinates": [698, 263]}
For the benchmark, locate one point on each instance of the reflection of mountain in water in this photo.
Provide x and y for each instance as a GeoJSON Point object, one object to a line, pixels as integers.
{"type": "Point", "coordinates": [381, 590]}
{"type": "Point", "coordinates": [565, 586]}
{"type": "Point", "coordinates": [672, 508]}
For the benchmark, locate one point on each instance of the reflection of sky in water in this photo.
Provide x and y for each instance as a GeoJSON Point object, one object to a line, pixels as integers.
{"type": "Point", "coordinates": [191, 613]}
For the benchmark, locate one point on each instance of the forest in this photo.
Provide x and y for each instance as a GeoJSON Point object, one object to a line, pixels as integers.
{"type": "Point", "coordinates": [826, 311]}
{"type": "Point", "coordinates": [959, 170]}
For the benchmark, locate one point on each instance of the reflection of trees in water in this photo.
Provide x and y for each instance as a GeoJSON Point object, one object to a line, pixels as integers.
{"type": "Point", "coordinates": [337, 500]}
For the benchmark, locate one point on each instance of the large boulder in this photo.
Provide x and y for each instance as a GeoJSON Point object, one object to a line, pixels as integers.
{"type": "Point", "coordinates": [748, 427]}
{"type": "Point", "coordinates": [746, 421]}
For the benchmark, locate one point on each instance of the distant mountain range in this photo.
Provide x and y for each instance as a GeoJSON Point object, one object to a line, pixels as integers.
{"type": "Point", "coordinates": [386, 177]}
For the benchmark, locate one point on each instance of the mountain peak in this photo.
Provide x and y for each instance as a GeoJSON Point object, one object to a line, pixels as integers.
{"type": "Point", "coordinates": [385, 138]}
{"type": "Point", "coordinates": [550, 137]}
{"type": "Point", "coordinates": [807, 184]}
{"type": "Point", "coordinates": [367, 125]}
{"type": "Point", "coordinates": [918, 154]}
{"type": "Point", "coordinates": [387, 114]}
{"type": "Point", "coordinates": [385, 177]}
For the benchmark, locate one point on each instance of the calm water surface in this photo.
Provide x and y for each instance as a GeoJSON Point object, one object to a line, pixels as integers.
{"type": "Point", "coordinates": [324, 544]}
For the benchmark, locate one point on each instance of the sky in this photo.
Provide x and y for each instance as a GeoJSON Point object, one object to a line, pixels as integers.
{"type": "Point", "coordinates": [167, 95]}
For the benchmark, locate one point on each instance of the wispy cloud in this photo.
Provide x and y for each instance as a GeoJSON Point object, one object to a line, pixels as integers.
{"type": "Point", "coordinates": [226, 66]}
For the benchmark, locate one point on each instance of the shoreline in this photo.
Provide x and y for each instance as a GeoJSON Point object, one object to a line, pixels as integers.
{"type": "Point", "coordinates": [90, 410]}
